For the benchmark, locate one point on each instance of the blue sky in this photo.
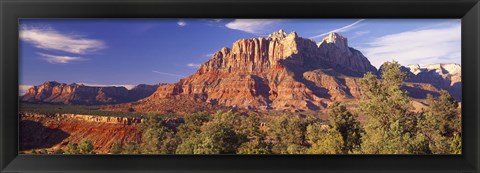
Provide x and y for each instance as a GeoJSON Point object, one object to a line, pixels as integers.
{"type": "Point", "coordinates": [134, 51]}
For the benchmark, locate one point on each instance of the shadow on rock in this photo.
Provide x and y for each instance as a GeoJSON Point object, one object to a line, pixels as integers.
{"type": "Point", "coordinates": [33, 135]}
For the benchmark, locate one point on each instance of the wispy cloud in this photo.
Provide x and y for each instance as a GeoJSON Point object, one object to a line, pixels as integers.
{"type": "Point", "coordinates": [209, 55]}
{"type": "Point", "coordinates": [422, 46]}
{"type": "Point", "coordinates": [168, 74]}
{"type": "Point", "coordinates": [359, 34]}
{"type": "Point", "coordinates": [253, 26]}
{"type": "Point", "coordinates": [182, 23]}
{"type": "Point", "coordinates": [193, 65]}
{"type": "Point", "coordinates": [342, 29]}
{"type": "Point", "coordinates": [51, 39]}
{"type": "Point", "coordinates": [55, 59]}
{"type": "Point", "coordinates": [22, 89]}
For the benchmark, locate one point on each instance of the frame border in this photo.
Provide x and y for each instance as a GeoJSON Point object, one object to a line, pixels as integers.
{"type": "Point", "coordinates": [12, 10]}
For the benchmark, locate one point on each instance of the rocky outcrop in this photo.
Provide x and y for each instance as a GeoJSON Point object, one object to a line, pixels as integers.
{"type": "Point", "coordinates": [429, 79]}
{"type": "Point", "coordinates": [141, 91]}
{"type": "Point", "coordinates": [335, 49]}
{"type": "Point", "coordinates": [442, 76]}
{"type": "Point", "coordinates": [56, 132]}
{"type": "Point", "coordinates": [282, 72]}
{"type": "Point", "coordinates": [61, 93]}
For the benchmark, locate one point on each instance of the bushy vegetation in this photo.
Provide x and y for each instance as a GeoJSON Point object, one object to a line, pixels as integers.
{"type": "Point", "coordinates": [232, 133]}
{"type": "Point", "coordinates": [391, 127]}
{"type": "Point", "coordinates": [84, 147]}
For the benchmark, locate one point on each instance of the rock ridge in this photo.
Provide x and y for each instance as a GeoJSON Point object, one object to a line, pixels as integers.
{"type": "Point", "coordinates": [62, 93]}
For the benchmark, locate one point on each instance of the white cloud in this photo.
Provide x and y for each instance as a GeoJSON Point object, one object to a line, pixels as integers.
{"type": "Point", "coordinates": [342, 29]}
{"type": "Point", "coordinates": [182, 23]}
{"type": "Point", "coordinates": [50, 39]}
{"type": "Point", "coordinates": [54, 59]}
{"type": "Point", "coordinates": [168, 74]}
{"type": "Point", "coordinates": [193, 65]}
{"type": "Point", "coordinates": [253, 26]}
{"type": "Point", "coordinates": [424, 46]}
{"type": "Point", "coordinates": [22, 89]}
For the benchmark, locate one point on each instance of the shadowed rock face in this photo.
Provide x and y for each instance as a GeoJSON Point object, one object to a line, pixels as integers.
{"type": "Point", "coordinates": [141, 91]}
{"type": "Point", "coordinates": [335, 49]}
{"type": "Point", "coordinates": [440, 76]}
{"type": "Point", "coordinates": [33, 135]}
{"type": "Point", "coordinates": [61, 93]}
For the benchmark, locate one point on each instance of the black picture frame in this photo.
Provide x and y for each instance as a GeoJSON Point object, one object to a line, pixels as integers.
{"type": "Point", "coordinates": [12, 10]}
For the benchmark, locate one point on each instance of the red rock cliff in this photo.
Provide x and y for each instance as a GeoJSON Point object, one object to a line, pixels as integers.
{"type": "Point", "coordinates": [282, 71]}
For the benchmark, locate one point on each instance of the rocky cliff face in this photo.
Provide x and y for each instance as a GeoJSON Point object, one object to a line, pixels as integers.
{"type": "Point", "coordinates": [141, 91]}
{"type": "Point", "coordinates": [282, 71]}
{"type": "Point", "coordinates": [335, 49]}
{"type": "Point", "coordinates": [442, 76]}
{"type": "Point", "coordinates": [54, 133]}
{"type": "Point", "coordinates": [61, 93]}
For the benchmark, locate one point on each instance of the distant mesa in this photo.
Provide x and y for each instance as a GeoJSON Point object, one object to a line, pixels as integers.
{"type": "Point", "coordinates": [61, 93]}
{"type": "Point", "coordinates": [280, 72]}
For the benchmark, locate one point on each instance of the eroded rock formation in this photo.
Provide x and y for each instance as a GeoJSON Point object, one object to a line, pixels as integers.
{"type": "Point", "coordinates": [281, 71]}
{"type": "Point", "coordinates": [61, 93]}
{"type": "Point", "coordinates": [442, 76]}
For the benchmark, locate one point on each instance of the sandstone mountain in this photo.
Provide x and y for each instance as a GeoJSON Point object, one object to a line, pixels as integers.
{"type": "Point", "coordinates": [282, 72]}
{"type": "Point", "coordinates": [61, 93]}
